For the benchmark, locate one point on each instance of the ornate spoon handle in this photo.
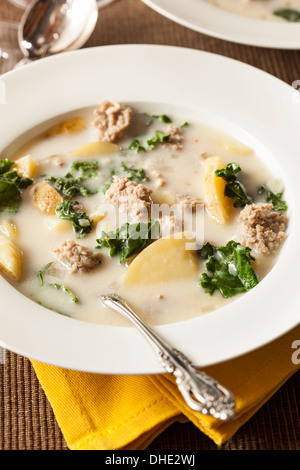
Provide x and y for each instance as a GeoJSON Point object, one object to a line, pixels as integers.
{"type": "Point", "coordinates": [201, 392]}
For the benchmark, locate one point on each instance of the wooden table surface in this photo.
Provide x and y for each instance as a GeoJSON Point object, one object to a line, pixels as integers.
{"type": "Point", "coordinates": [26, 418]}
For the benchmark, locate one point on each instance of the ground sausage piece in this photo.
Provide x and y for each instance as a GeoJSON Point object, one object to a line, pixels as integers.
{"type": "Point", "coordinates": [186, 201]}
{"type": "Point", "coordinates": [111, 120]}
{"type": "Point", "coordinates": [77, 257]}
{"type": "Point", "coordinates": [159, 179]}
{"type": "Point", "coordinates": [132, 198]}
{"type": "Point", "coordinates": [175, 141]}
{"type": "Point", "coordinates": [55, 160]}
{"type": "Point", "coordinates": [170, 225]}
{"type": "Point", "coordinates": [262, 228]}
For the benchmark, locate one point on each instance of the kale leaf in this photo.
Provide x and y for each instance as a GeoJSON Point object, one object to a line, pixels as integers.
{"type": "Point", "coordinates": [135, 174]}
{"type": "Point", "coordinates": [229, 172]}
{"type": "Point", "coordinates": [69, 186]}
{"type": "Point", "coordinates": [162, 117]}
{"type": "Point", "coordinates": [279, 205]}
{"type": "Point", "coordinates": [40, 275]}
{"type": "Point", "coordinates": [9, 191]}
{"type": "Point", "coordinates": [136, 145]}
{"type": "Point", "coordinates": [109, 182]}
{"type": "Point", "coordinates": [5, 165]}
{"type": "Point", "coordinates": [129, 239]}
{"type": "Point", "coordinates": [158, 138]}
{"type": "Point", "coordinates": [66, 290]}
{"type": "Point", "coordinates": [11, 185]}
{"type": "Point", "coordinates": [41, 272]}
{"type": "Point", "coordinates": [234, 189]}
{"type": "Point", "coordinates": [88, 168]}
{"type": "Point", "coordinates": [288, 14]}
{"type": "Point", "coordinates": [82, 225]}
{"type": "Point", "coordinates": [231, 268]}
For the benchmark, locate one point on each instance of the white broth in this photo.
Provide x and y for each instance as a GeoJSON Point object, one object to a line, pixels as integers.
{"type": "Point", "coordinates": [182, 172]}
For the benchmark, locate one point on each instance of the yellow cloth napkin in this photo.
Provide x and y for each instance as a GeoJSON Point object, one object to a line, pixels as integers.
{"type": "Point", "coordinates": [107, 412]}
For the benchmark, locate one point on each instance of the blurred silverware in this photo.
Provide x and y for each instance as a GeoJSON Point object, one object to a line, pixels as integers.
{"type": "Point", "coordinates": [201, 392]}
{"type": "Point", "coordinates": [52, 26]}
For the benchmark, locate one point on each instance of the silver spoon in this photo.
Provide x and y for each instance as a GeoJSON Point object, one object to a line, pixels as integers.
{"type": "Point", "coordinates": [52, 26]}
{"type": "Point", "coordinates": [201, 392]}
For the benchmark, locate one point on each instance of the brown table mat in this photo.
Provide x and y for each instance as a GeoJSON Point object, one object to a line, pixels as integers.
{"type": "Point", "coordinates": [26, 418]}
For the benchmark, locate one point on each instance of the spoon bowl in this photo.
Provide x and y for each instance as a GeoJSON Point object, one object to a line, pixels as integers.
{"type": "Point", "coordinates": [52, 26]}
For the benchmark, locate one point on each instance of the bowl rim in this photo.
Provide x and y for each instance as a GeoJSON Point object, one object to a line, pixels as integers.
{"type": "Point", "coordinates": [214, 21]}
{"type": "Point", "coordinates": [213, 338]}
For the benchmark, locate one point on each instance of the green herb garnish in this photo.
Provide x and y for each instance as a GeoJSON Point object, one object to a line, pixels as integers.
{"type": "Point", "coordinates": [136, 145]}
{"type": "Point", "coordinates": [41, 272]}
{"type": "Point", "coordinates": [88, 169]}
{"type": "Point", "coordinates": [66, 290]}
{"type": "Point", "coordinates": [162, 117]}
{"type": "Point", "coordinates": [231, 268]}
{"type": "Point", "coordinates": [288, 14]}
{"type": "Point", "coordinates": [109, 182]}
{"type": "Point", "coordinates": [82, 225]}
{"type": "Point", "coordinates": [234, 189]}
{"type": "Point", "coordinates": [279, 205]}
{"type": "Point", "coordinates": [158, 138]}
{"type": "Point", "coordinates": [107, 185]}
{"type": "Point", "coordinates": [129, 239]}
{"type": "Point", "coordinates": [40, 275]}
{"type": "Point", "coordinates": [135, 174]}
{"type": "Point", "coordinates": [69, 186]}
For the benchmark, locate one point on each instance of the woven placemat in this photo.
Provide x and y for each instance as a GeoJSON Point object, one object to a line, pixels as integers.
{"type": "Point", "coordinates": [27, 421]}
{"type": "Point", "coordinates": [26, 418]}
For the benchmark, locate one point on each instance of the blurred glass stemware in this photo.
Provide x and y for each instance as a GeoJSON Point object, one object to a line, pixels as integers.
{"type": "Point", "coordinates": [10, 52]}
{"type": "Point", "coordinates": [20, 3]}
{"type": "Point", "coordinates": [25, 3]}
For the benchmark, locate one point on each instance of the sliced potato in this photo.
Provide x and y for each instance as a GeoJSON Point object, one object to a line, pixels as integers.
{"type": "Point", "coordinates": [25, 167]}
{"type": "Point", "coordinates": [218, 205]}
{"type": "Point", "coordinates": [8, 228]}
{"type": "Point", "coordinates": [58, 225]}
{"type": "Point", "coordinates": [46, 198]}
{"type": "Point", "coordinates": [237, 148]}
{"type": "Point", "coordinates": [10, 258]}
{"type": "Point", "coordinates": [95, 149]}
{"type": "Point", "coordinates": [166, 259]}
{"type": "Point", "coordinates": [70, 126]}
{"type": "Point", "coordinates": [97, 217]}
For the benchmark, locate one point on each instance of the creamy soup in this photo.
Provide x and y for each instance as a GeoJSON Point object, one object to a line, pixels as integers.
{"type": "Point", "coordinates": [156, 159]}
{"type": "Point", "coordinates": [287, 10]}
